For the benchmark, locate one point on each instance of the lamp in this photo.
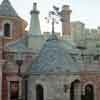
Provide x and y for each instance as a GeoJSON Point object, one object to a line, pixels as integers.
{"type": "Point", "coordinates": [19, 62]}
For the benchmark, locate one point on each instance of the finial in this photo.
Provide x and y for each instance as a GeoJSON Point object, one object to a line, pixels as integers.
{"type": "Point", "coordinates": [35, 6]}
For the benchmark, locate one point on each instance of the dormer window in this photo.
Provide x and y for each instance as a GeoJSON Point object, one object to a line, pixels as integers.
{"type": "Point", "coordinates": [7, 29]}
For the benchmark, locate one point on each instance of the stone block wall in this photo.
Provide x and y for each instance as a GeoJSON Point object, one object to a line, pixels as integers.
{"type": "Point", "coordinates": [53, 86]}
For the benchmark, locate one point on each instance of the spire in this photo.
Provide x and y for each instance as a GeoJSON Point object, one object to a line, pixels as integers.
{"type": "Point", "coordinates": [35, 23]}
{"type": "Point", "coordinates": [6, 9]}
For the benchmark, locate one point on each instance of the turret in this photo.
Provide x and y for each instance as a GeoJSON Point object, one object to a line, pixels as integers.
{"type": "Point", "coordinates": [11, 25]}
{"type": "Point", "coordinates": [35, 23]}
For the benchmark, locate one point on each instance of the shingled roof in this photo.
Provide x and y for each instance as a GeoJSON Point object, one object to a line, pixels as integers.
{"type": "Point", "coordinates": [6, 9]}
{"type": "Point", "coordinates": [54, 57]}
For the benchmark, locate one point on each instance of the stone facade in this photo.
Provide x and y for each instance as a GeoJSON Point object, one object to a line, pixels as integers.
{"type": "Point", "coordinates": [54, 68]}
{"type": "Point", "coordinates": [53, 86]}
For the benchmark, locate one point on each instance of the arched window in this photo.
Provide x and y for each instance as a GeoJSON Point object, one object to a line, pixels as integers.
{"type": "Point", "coordinates": [75, 90]}
{"type": "Point", "coordinates": [7, 28]}
{"type": "Point", "coordinates": [89, 92]}
{"type": "Point", "coordinates": [39, 92]}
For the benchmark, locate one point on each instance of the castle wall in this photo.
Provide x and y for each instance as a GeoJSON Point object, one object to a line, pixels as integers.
{"type": "Point", "coordinates": [53, 86]}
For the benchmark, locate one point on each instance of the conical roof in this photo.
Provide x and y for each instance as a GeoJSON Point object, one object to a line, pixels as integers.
{"type": "Point", "coordinates": [54, 57]}
{"type": "Point", "coordinates": [6, 9]}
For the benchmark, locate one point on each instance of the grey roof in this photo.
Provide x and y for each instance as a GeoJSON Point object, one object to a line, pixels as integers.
{"type": "Point", "coordinates": [54, 57]}
{"type": "Point", "coordinates": [18, 45]}
{"type": "Point", "coordinates": [6, 9]}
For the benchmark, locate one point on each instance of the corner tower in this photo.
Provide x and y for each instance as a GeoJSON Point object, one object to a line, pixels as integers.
{"type": "Point", "coordinates": [35, 23]}
{"type": "Point", "coordinates": [66, 20]}
{"type": "Point", "coordinates": [11, 25]}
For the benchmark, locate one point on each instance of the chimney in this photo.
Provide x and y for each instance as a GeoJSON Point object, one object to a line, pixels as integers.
{"type": "Point", "coordinates": [66, 20]}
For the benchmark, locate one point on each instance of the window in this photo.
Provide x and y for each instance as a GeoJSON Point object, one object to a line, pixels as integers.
{"type": "Point", "coordinates": [14, 90]}
{"type": "Point", "coordinates": [89, 92]}
{"type": "Point", "coordinates": [7, 29]}
{"type": "Point", "coordinates": [96, 57]}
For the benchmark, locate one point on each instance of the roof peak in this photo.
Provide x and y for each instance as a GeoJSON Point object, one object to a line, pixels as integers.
{"type": "Point", "coordinates": [6, 0]}
{"type": "Point", "coordinates": [52, 37]}
{"type": "Point", "coordinates": [6, 9]}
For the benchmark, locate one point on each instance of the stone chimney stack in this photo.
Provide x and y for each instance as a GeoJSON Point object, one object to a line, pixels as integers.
{"type": "Point", "coordinates": [66, 20]}
{"type": "Point", "coordinates": [35, 22]}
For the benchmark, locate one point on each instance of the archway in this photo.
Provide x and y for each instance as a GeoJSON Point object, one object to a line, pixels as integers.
{"type": "Point", "coordinates": [75, 90]}
{"type": "Point", "coordinates": [89, 92]}
{"type": "Point", "coordinates": [39, 92]}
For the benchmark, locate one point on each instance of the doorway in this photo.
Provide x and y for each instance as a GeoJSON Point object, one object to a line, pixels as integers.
{"type": "Point", "coordinates": [39, 92]}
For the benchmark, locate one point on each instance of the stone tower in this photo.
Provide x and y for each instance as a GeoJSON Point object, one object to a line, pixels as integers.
{"type": "Point", "coordinates": [66, 20]}
{"type": "Point", "coordinates": [35, 23]}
